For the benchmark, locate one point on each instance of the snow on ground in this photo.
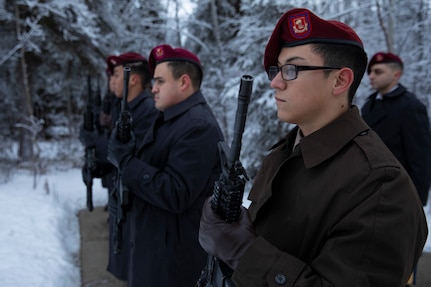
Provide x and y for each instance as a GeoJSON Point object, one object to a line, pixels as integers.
{"type": "Point", "coordinates": [39, 229]}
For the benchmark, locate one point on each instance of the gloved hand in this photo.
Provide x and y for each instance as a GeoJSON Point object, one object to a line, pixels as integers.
{"type": "Point", "coordinates": [119, 154]}
{"type": "Point", "coordinates": [226, 241]}
{"type": "Point", "coordinates": [88, 138]}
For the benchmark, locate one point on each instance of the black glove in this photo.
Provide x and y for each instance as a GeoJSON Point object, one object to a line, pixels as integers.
{"type": "Point", "coordinates": [88, 138]}
{"type": "Point", "coordinates": [119, 154]}
{"type": "Point", "coordinates": [226, 241]}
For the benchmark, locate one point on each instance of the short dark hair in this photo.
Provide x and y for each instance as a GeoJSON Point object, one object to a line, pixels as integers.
{"type": "Point", "coordinates": [336, 55]}
{"type": "Point", "coordinates": [141, 69]}
{"type": "Point", "coordinates": [396, 65]}
{"type": "Point", "coordinates": [180, 68]}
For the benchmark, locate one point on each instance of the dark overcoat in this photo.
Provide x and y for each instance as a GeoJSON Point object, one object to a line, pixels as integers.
{"type": "Point", "coordinates": [172, 175]}
{"type": "Point", "coordinates": [143, 112]}
{"type": "Point", "coordinates": [402, 122]}
{"type": "Point", "coordinates": [337, 211]}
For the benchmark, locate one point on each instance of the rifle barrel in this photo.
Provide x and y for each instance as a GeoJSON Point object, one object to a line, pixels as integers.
{"type": "Point", "coordinates": [240, 118]}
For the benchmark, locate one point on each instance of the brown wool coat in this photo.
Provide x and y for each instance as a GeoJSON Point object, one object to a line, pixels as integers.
{"type": "Point", "coordinates": [338, 211]}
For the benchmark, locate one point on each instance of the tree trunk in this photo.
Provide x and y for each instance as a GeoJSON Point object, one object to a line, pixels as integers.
{"type": "Point", "coordinates": [25, 150]}
{"type": "Point", "coordinates": [388, 27]}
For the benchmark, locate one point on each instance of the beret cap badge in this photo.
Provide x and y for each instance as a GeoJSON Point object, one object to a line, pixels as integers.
{"type": "Point", "coordinates": [379, 57]}
{"type": "Point", "coordinates": [159, 53]}
{"type": "Point", "coordinates": [300, 25]}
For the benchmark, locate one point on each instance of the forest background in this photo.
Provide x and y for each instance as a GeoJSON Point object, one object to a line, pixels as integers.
{"type": "Point", "coordinates": [49, 47]}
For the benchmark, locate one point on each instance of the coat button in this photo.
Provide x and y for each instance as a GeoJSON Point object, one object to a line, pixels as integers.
{"type": "Point", "coordinates": [146, 176]}
{"type": "Point", "coordinates": [280, 279]}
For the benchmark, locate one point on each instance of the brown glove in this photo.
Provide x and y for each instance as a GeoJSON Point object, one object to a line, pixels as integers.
{"type": "Point", "coordinates": [226, 241]}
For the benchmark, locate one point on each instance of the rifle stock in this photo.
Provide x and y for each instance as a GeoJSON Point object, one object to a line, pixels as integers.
{"type": "Point", "coordinates": [89, 151]}
{"type": "Point", "coordinates": [229, 189]}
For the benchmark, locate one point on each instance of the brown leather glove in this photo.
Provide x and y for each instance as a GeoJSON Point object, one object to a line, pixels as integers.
{"type": "Point", "coordinates": [226, 241]}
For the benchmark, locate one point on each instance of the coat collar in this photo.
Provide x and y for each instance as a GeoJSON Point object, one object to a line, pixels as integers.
{"type": "Point", "coordinates": [326, 142]}
{"type": "Point", "coordinates": [137, 101]}
{"type": "Point", "coordinates": [170, 113]}
{"type": "Point", "coordinates": [374, 111]}
{"type": "Point", "coordinates": [196, 99]}
{"type": "Point", "coordinates": [392, 94]}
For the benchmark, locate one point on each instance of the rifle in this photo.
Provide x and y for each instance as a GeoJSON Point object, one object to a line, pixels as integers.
{"type": "Point", "coordinates": [89, 151]}
{"type": "Point", "coordinates": [123, 134]}
{"type": "Point", "coordinates": [98, 106]}
{"type": "Point", "coordinates": [229, 189]}
{"type": "Point", "coordinates": [106, 104]}
{"type": "Point", "coordinates": [98, 99]}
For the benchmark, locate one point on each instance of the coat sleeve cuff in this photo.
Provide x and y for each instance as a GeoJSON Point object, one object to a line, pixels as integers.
{"type": "Point", "coordinates": [265, 265]}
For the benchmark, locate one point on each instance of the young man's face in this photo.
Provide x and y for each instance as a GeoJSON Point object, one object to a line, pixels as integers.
{"type": "Point", "coordinates": [166, 89]}
{"type": "Point", "coordinates": [383, 77]}
{"type": "Point", "coordinates": [111, 84]}
{"type": "Point", "coordinates": [306, 100]}
{"type": "Point", "coordinates": [118, 78]}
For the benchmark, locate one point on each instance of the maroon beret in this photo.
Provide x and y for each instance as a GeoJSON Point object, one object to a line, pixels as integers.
{"type": "Point", "coordinates": [123, 59]}
{"type": "Point", "coordinates": [382, 58]}
{"type": "Point", "coordinates": [300, 26]}
{"type": "Point", "coordinates": [109, 67]}
{"type": "Point", "coordinates": [163, 53]}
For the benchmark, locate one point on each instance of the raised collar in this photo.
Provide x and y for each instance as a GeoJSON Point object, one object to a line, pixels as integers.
{"type": "Point", "coordinates": [398, 91]}
{"type": "Point", "coordinates": [196, 99]}
{"type": "Point", "coordinates": [137, 101]}
{"type": "Point", "coordinates": [326, 142]}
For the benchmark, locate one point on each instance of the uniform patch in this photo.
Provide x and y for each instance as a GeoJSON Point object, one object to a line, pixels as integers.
{"type": "Point", "coordinates": [379, 57]}
{"type": "Point", "coordinates": [159, 53]}
{"type": "Point", "coordinates": [300, 25]}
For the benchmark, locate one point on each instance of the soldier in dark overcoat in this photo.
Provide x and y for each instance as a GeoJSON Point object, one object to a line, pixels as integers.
{"type": "Point", "coordinates": [170, 173]}
{"type": "Point", "coordinates": [140, 104]}
{"type": "Point", "coordinates": [400, 119]}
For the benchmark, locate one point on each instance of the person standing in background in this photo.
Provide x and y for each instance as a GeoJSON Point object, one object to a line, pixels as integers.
{"type": "Point", "coordinates": [105, 117]}
{"type": "Point", "coordinates": [143, 112]}
{"type": "Point", "coordinates": [400, 119]}
{"type": "Point", "coordinates": [170, 173]}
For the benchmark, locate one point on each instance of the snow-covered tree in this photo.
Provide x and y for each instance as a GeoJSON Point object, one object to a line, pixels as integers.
{"type": "Point", "coordinates": [49, 47]}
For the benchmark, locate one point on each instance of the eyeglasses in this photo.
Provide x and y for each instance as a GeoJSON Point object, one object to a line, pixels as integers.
{"type": "Point", "coordinates": [289, 72]}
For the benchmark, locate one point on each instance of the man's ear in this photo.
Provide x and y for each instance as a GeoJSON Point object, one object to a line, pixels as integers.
{"type": "Point", "coordinates": [133, 79]}
{"type": "Point", "coordinates": [343, 81]}
{"type": "Point", "coordinates": [398, 74]}
{"type": "Point", "coordinates": [185, 82]}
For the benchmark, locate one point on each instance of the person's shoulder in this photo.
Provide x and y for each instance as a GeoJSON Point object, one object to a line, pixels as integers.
{"type": "Point", "coordinates": [376, 152]}
{"type": "Point", "coordinates": [410, 104]}
{"type": "Point", "coordinates": [145, 101]}
{"type": "Point", "coordinates": [199, 117]}
{"type": "Point", "coordinates": [406, 96]}
{"type": "Point", "coordinates": [413, 100]}
{"type": "Point", "coordinates": [200, 111]}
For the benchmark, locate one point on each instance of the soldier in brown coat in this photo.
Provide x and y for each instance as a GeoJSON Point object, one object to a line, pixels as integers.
{"type": "Point", "coordinates": [330, 206]}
